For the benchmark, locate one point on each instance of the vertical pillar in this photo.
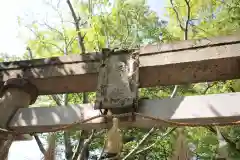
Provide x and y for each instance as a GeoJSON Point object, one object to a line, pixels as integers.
{"type": "Point", "coordinates": [16, 93]}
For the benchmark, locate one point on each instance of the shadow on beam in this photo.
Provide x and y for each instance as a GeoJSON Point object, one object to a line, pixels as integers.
{"type": "Point", "coordinates": [205, 110]}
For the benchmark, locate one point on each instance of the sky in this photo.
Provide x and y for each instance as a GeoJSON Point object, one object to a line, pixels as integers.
{"type": "Point", "coordinates": [14, 43]}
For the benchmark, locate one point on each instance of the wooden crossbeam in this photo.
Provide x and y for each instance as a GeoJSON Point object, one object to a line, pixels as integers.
{"type": "Point", "coordinates": [204, 110]}
{"type": "Point", "coordinates": [163, 64]}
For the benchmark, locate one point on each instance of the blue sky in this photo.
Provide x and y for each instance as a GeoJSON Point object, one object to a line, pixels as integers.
{"type": "Point", "coordinates": [13, 43]}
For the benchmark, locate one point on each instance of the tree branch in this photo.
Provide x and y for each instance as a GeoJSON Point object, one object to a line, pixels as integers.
{"type": "Point", "coordinates": [232, 89]}
{"type": "Point", "coordinates": [53, 29]}
{"type": "Point", "coordinates": [76, 23]}
{"type": "Point", "coordinates": [39, 143]}
{"type": "Point", "coordinates": [62, 33]}
{"type": "Point", "coordinates": [174, 93]}
{"type": "Point", "coordinates": [153, 144]}
{"type": "Point", "coordinates": [67, 143]}
{"type": "Point", "coordinates": [197, 27]}
{"type": "Point", "coordinates": [68, 146]}
{"type": "Point", "coordinates": [177, 15]}
{"type": "Point", "coordinates": [56, 99]}
{"type": "Point", "coordinates": [71, 41]}
{"type": "Point", "coordinates": [41, 40]}
{"type": "Point", "coordinates": [86, 146]}
{"type": "Point", "coordinates": [188, 19]}
{"type": "Point", "coordinates": [208, 87]}
{"type": "Point", "coordinates": [82, 146]}
{"type": "Point", "coordinates": [230, 142]}
{"type": "Point", "coordinates": [78, 148]}
{"type": "Point", "coordinates": [138, 145]}
{"type": "Point", "coordinates": [29, 53]}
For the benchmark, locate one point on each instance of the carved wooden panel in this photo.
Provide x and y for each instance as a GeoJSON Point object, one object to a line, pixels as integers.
{"type": "Point", "coordinates": [117, 80]}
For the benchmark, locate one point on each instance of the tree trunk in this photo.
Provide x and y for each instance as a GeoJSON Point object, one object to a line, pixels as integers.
{"type": "Point", "coordinates": [84, 146]}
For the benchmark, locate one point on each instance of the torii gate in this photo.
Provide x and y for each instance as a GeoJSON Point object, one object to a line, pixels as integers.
{"type": "Point", "coordinates": [162, 64]}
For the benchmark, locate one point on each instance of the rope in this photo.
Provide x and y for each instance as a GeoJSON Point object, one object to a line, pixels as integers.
{"type": "Point", "coordinates": [186, 124]}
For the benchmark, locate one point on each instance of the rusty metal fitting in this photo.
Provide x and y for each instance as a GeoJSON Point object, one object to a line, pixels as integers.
{"type": "Point", "coordinates": [23, 84]}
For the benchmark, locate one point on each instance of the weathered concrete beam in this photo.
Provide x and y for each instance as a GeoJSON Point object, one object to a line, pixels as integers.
{"type": "Point", "coordinates": [205, 110]}
{"type": "Point", "coordinates": [164, 64]}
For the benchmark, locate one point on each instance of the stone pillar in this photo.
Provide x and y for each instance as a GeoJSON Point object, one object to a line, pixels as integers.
{"type": "Point", "coordinates": [16, 93]}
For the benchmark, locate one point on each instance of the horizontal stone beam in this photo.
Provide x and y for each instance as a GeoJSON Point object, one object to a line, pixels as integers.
{"type": "Point", "coordinates": [162, 64]}
{"type": "Point", "coordinates": [218, 109]}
